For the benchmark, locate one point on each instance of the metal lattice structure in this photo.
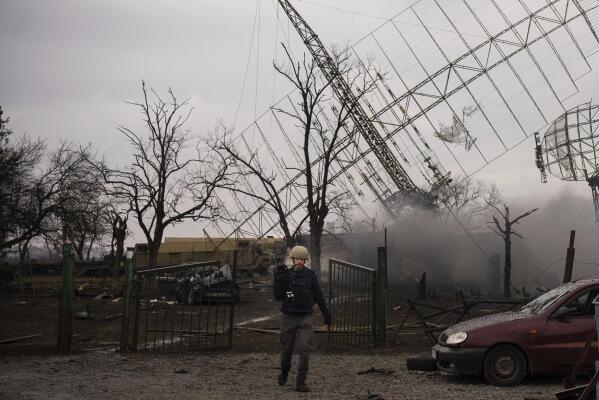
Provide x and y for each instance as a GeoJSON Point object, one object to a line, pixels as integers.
{"type": "Point", "coordinates": [465, 82]}
{"type": "Point", "coordinates": [361, 120]}
{"type": "Point", "coordinates": [570, 148]}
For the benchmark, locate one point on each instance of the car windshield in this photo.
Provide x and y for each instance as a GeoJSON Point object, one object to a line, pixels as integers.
{"type": "Point", "coordinates": [546, 300]}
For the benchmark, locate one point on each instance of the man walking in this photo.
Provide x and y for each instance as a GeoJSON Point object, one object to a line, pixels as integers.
{"type": "Point", "coordinates": [299, 290]}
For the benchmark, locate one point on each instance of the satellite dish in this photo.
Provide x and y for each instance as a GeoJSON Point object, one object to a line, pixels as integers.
{"type": "Point", "coordinates": [570, 148]}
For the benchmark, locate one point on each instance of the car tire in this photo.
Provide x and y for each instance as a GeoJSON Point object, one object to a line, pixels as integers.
{"type": "Point", "coordinates": [504, 365]}
{"type": "Point", "coordinates": [421, 362]}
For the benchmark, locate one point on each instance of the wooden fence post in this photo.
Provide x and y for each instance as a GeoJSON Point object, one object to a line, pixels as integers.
{"type": "Point", "coordinates": [65, 311]}
{"type": "Point", "coordinates": [381, 297]}
{"type": "Point", "coordinates": [124, 342]}
{"type": "Point", "coordinates": [234, 295]}
{"type": "Point", "coordinates": [569, 259]}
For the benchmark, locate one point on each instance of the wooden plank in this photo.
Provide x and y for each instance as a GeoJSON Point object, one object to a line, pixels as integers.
{"type": "Point", "coordinates": [20, 338]}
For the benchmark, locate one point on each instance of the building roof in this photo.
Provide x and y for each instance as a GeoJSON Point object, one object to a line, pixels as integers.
{"type": "Point", "coordinates": [203, 245]}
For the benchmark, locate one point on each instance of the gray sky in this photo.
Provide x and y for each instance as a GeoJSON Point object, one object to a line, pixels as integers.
{"type": "Point", "coordinates": [69, 65]}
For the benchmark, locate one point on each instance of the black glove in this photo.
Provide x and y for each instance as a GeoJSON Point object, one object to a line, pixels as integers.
{"type": "Point", "coordinates": [280, 269]}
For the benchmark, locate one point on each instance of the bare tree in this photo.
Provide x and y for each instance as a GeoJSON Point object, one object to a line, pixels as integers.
{"type": "Point", "coordinates": [18, 184]}
{"type": "Point", "coordinates": [77, 207]}
{"type": "Point", "coordinates": [321, 139]}
{"type": "Point", "coordinates": [40, 198]}
{"type": "Point", "coordinates": [118, 223]}
{"type": "Point", "coordinates": [467, 199]}
{"type": "Point", "coordinates": [506, 231]}
{"type": "Point", "coordinates": [170, 179]}
{"type": "Point", "coordinates": [87, 226]}
{"type": "Point", "coordinates": [271, 196]}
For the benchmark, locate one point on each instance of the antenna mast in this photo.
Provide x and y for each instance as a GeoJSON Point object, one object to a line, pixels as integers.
{"type": "Point", "coordinates": [359, 117]}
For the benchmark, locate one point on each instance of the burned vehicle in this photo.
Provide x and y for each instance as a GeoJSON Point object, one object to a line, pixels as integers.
{"type": "Point", "coordinates": [208, 286]}
{"type": "Point", "coordinates": [205, 284]}
{"type": "Point", "coordinates": [547, 335]}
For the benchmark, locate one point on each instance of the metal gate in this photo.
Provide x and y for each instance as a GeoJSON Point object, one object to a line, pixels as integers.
{"type": "Point", "coordinates": [187, 307]}
{"type": "Point", "coordinates": [352, 301]}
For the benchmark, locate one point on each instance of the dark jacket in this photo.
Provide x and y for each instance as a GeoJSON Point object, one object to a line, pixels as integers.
{"type": "Point", "coordinates": [299, 292]}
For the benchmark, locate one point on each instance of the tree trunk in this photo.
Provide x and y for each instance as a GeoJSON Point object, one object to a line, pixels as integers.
{"type": "Point", "coordinates": [89, 249]}
{"type": "Point", "coordinates": [315, 251]}
{"type": "Point", "coordinates": [119, 234]}
{"type": "Point", "coordinates": [290, 241]}
{"type": "Point", "coordinates": [118, 256]}
{"type": "Point", "coordinates": [507, 269]}
{"type": "Point", "coordinates": [153, 248]}
{"type": "Point", "coordinates": [79, 250]}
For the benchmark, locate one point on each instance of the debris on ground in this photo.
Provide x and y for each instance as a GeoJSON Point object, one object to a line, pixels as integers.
{"type": "Point", "coordinates": [219, 376]}
{"type": "Point", "coordinates": [257, 330]}
{"type": "Point", "coordinates": [82, 314]}
{"type": "Point", "coordinates": [20, 338]}
{"type": "Point", "coordinates": [374, 370]}
{"type": "Point", "coordinates": [181, 371]}
{"type": "Point", "coordinates": [86, 314]}
{"type": "Point", "coordinates": [102, 296]}
{"type": "Point", "coordinates": [371, 396]}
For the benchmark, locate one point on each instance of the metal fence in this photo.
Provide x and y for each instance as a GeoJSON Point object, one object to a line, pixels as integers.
{"type": "Point", "coordinates": [352, 301]}
{"type": "Point", "coordinates": [187, 307]}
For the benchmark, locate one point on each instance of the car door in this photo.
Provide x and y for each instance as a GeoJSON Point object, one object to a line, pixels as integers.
{"type": "Point", "coordinates": [566, 332]}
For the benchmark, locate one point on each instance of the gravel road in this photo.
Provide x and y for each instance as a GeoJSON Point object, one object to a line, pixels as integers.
{"type": "Point", "coordinates": [103, 375]}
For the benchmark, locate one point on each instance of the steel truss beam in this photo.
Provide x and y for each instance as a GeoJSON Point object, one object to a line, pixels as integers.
{"type": "Point", "coordinates": [436, 88]}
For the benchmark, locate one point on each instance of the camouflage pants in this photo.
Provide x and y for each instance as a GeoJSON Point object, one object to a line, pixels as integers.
{"type": "Point", "coordinates": [296, 333]}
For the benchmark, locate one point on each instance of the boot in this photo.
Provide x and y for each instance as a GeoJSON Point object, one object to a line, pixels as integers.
{"type": "Point", "coordinates": [282, 378]}
{"type": "Point", "coordinates": [301, 387]}
{"type": "Point", "coordinates": [302, 373]}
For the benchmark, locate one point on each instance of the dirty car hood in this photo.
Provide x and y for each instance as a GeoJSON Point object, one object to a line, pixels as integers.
{"type": "Point", "coordinates": [487, 320]}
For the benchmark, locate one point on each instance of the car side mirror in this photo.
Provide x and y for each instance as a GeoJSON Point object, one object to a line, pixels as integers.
{"type": "Point", "coordinates": [561, 313]}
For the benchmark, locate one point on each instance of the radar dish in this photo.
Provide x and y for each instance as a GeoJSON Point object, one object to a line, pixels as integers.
{"type": "Point", "coordinates": [570, 147]}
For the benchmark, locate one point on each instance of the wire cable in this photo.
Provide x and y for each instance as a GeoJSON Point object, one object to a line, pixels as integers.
{"type": "Point", "coordinates": [362, 14]}
{"type": "Point", "coordinates": [257, 59]}
{"type": "Point", "coordinates": [247, 66]}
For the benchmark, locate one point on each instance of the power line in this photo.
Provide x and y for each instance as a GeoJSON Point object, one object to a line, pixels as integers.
{"type": "Point", "coordinates": [386, 19]}
{"type": "Point", "coordinates": [257, 59]}
{"type": "Point", "coordinates": [247, 66]}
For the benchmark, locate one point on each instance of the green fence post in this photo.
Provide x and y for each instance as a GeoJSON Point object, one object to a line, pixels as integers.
{"type": "Point", "coordinates": [381, 297]}
{"type": "Point", "coordinates": [124, 343]}
{"type": "Point", "coordinates": [65, 310]}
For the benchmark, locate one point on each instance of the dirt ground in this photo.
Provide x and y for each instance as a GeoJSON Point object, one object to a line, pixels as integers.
{"type": "Point", "coordinates": [102, 375]}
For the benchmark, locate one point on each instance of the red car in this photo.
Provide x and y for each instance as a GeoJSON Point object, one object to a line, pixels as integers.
{"type": "Point", "coordinates": [546, 335]}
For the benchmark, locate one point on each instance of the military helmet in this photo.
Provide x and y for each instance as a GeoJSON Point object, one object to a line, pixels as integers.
{"type": "Point", "coordinates": [299, 252]}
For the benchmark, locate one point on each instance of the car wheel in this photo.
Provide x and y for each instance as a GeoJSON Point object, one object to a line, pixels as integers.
{"type": "Point", "coordinates": [504, 365]}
